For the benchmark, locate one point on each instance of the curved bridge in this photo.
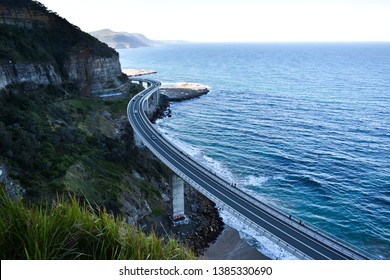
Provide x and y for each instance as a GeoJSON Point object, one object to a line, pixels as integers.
{"type": "Point", "coordinates": [301, 240]}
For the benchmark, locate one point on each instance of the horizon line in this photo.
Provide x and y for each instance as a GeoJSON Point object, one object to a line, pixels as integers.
{"type": "Point", "coordinates": [276, 42]}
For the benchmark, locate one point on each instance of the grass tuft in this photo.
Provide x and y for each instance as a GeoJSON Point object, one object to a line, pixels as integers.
{"type": "Point", "coordinates": [68, 230]}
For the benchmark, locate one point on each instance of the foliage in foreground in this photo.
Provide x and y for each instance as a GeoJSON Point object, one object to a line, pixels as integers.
{"type": "Point", "coordinates": [68, 230]}
{"type": "Point", "coordinates": [44, 136]}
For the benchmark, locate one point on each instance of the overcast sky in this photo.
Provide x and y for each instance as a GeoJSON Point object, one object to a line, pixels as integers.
{"type": "Point", "coordinates": [234, 20]}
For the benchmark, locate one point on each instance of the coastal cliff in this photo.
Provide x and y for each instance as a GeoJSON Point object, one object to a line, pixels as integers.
{"type": "Point", "coordinates": [55, 140]}
{"type": "Point", "coordinates": [28, 72]}
{"type": "Point", "coordinates": [38, 46]}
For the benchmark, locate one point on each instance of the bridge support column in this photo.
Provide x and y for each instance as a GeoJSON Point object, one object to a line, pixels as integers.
{"type": "Point", "coordinates": [153, 103]}
{"type": "Point", "coordinates": [178, 200]}
{"type": "Point", "coordinates": [146, 108]}
{"type": "Point", "coordinates": [137, 141]}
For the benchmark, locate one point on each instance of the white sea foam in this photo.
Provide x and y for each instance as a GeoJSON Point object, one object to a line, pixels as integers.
{"type": "Point", "coordinates": [252, 180]}
{"type": "Point", "coordinates": [263, 244]}
{"type": "Point", "coordinates": [197, 154]}
{"type": "Point", "coordinates": [247, 184]}
{"type": "Point", "coordinates": [218, 168]}
{"type": "Point", "coordinates": [185, 147]}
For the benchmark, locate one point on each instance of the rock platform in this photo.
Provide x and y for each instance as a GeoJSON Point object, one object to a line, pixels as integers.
{"type": "Point", "coordinates": [137, 72]}
{"type": "Point", "coordinates": [183, 91]}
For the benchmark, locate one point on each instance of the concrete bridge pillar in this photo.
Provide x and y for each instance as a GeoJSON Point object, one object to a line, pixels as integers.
{"type": "Point", "coordinates": [137, 141]}
{"type": "Point", "coordinates": [178, 200]}
{"type": "Point", "coordinates": [145, 107]}
{"type": "Point", "coordinates": [153, 102]}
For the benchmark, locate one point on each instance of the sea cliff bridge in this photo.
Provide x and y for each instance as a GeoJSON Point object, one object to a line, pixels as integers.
{"type": "Point", "coordinates": [297, 238]}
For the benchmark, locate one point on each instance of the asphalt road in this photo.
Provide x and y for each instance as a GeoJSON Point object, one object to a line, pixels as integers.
{"type": "Point", "coordinates": [309, 242]}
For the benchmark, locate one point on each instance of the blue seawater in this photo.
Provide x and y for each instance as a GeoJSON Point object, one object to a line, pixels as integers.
{"type": "Point", "coordinates": [302, 127]}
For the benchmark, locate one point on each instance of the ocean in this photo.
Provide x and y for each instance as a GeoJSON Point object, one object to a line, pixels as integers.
{"type": "Point", "coordinates": [303, 127]}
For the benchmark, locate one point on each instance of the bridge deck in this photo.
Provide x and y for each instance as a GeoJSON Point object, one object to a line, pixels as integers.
{"type": "Point", "coordinates": [302, 240]}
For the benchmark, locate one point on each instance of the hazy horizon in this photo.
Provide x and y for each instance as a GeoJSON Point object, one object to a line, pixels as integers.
{"type": "Point", "coordinates": [249, 21]}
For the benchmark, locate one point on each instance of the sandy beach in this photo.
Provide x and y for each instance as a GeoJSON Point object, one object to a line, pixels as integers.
{"type": "Point", "coordinates": [229, 246]}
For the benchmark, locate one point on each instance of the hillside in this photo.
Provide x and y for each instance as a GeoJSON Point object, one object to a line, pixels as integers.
{"type": "Point", "coordinates": [38, 46]}
{"type": "Point", "coordinates": [123, 40]}
{"type": "Point", "coordinates": [58, 140]}
{"type": "Point", "coordinates": [52, 145]}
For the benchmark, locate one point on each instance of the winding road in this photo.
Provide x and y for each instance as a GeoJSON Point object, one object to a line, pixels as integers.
{"type": "Point", "coordinates": [297, 238]}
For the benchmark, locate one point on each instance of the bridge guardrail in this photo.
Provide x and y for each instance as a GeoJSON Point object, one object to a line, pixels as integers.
{"type": "Point", "coordinates": [307, 228]}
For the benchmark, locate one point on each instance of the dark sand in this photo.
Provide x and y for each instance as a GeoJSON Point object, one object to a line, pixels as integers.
{"type": "Point", "coordinates": [229, 246]}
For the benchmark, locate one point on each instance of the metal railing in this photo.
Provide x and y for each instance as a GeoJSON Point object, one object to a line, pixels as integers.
{"type": "Point", "coordinates": [310, 230]}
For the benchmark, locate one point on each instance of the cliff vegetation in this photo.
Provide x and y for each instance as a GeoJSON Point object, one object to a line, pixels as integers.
{"type": "Point", "coordinates": [58, 141]}
{"type": "Point", "coordinates": [36, 45]}
{"type": "Point", "coordinates": [70, 230]}
{"type": "Point", "coordinates": [55, 145]}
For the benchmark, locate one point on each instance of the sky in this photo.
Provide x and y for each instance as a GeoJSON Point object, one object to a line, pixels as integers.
{"type": "Point", "coordinates": [234, 20]}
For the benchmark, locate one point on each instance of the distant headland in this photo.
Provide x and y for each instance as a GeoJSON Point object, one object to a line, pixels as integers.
{"type": "Point", "coordinates": [125, 40]}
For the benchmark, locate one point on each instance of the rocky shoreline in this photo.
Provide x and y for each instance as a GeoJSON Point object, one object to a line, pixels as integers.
{"type": "Point", "coordinates": [184, 91]}
{"type": "Point", "coordinates": [204, 226]}
{"type": "Point", "coordinates": [205, 234]}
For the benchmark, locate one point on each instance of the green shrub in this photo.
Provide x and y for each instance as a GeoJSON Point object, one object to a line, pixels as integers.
{"type": "Point", "coordinates": [68, 230]}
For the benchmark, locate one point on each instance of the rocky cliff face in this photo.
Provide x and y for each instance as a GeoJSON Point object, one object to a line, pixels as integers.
{"type": "Point", "coordinates": [37, 73]}
{"type": "Point", "coordinates": [92, 73]}
{"type": "Point", "coordinates": [66, 53]}
{"type": "Point", "coordinates": [24, 17]}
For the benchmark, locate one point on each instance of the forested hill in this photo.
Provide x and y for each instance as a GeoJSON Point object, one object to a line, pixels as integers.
{"type": "Point", "coordinates": [58, 140]}
{"type": "Point", "coordinates": [37, 45]}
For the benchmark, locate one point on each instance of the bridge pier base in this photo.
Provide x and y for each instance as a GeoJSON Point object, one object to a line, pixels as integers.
{"type": "Point", "coordinates": [137, 141]}
{"type": "Point", "coordinates": [153, 102]}
{"type": "Point", "coordinates": [178, 201]}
